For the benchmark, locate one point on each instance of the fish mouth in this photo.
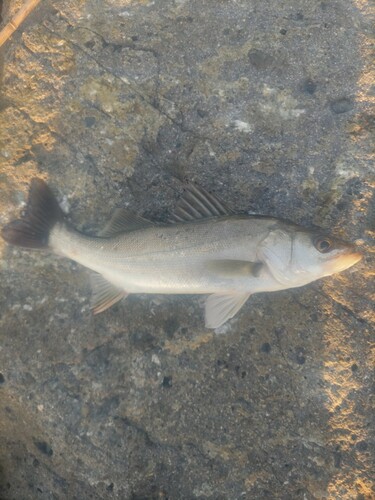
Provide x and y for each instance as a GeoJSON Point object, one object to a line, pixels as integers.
{"type": "Point", "coordinates": [346, 260]}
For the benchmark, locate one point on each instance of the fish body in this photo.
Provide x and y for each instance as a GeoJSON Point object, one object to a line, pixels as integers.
{"type": "Point", "coordinates": [177, 259]}
{"type": "Point", "coordinates": [205, 250]}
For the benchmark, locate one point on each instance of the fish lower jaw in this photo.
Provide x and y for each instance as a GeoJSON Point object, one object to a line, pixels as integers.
{"type": "Point", "coordinates": [342, 263]}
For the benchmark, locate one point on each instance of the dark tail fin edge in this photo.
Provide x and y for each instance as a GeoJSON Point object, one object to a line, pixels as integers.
{"type": "Point", "coordinates": [42, 213]}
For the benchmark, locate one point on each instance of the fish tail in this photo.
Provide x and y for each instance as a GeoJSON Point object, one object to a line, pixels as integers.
{"type": "Point", "coordinates": [42, 213]}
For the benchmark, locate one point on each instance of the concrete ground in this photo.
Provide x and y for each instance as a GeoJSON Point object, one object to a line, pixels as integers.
{"type": "Point", "coordinates": [115, 103]}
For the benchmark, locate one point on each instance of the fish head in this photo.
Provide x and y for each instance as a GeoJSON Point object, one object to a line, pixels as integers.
{"type": "Point", "coordinates": [297, 257]}
{"type": "Point", "coordinates": [321, 254]}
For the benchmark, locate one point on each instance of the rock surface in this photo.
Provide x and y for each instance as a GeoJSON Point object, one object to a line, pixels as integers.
{"type": "Point", "coordinates": [115, 103]}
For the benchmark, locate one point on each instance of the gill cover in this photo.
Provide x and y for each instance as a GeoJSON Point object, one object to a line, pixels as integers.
{"type": "Point", "coordinates": [276, 250]}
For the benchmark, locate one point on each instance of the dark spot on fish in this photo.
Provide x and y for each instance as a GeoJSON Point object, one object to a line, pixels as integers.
{"type": "Point", "coordinates": [167, 382]}
{"type": "Point", "coordinates": [266, 347]}
{"type": "Point", "coordinates": [354, 367]}
{"type": "Point", "coordinates": [2, 379]}
{"type": "Point", "coordinates": [44, 447]}
{"type": "Point", "coordinates": [110, 487]}
{"type": "Point", "coordinates": [314, 317]}
{"type": "Point", "coordinates": [342, 105]}
{"type": "Point", "coordinates": [256, 269]}
{"type": "Point", "coordinates": [283, 31]}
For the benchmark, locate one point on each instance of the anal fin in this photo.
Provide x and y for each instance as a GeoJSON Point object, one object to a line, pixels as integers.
{"type": "Point", "coordinates": [104, 294]}
{"type": "Point", "coordinates": [221, 308]}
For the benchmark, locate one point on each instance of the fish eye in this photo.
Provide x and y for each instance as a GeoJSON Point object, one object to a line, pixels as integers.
{"type": "Point", "coordinates": [323, 245]}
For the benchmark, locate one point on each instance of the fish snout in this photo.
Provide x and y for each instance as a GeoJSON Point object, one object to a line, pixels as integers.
{"type": "Point", "coordinates": [347, 259]}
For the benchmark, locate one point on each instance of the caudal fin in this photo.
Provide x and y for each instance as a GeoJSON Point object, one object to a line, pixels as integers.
{"type": "Point", "coordinates": [42, 213]}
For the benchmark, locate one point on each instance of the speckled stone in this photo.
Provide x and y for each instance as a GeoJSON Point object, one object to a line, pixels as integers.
{"type": "Point", "coordinates": [115, 103]}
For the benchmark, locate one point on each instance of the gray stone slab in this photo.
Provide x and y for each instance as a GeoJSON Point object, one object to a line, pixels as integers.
{"type": "Point", "coordinates": [115, 103]}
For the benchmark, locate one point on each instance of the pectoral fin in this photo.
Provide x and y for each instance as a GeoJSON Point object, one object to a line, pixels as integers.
{"type": "Point", "coordinates": [234, 268]}
{"type": "Point", "coordinates": [220, 308]}
{"type": "Point", "coordinates": [104, 294]}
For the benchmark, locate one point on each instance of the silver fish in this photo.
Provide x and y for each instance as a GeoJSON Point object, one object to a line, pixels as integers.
{"type": "Point", "coordinates": [206, 249]}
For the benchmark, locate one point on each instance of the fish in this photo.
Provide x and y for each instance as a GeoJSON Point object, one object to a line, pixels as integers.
{"type": "Point", "coordinates": [205, 248]}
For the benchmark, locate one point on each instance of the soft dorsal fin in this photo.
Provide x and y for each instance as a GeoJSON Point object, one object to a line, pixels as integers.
{"type": "Point", "coordinates": [104, 294]}
{"type": "Point", "coordinates": [123, 221]}
{"type": "Point", "coordinates": [220, 308]}
{"type": "Point", "coordinates": [197, 203]}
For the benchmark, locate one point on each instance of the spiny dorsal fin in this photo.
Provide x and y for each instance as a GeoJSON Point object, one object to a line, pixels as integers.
{"type": "Point", "coordinates": [197, 203]}
{"type": "Point", "coordinates": [104, 294]}
{"type": "Point", "coordinates": [123, 221]}
{"type": "Point", "coordinates": [220, 308]}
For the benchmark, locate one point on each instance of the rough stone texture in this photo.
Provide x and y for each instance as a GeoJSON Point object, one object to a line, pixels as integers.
{"type": "Point", "coordinates": [269, 104]}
